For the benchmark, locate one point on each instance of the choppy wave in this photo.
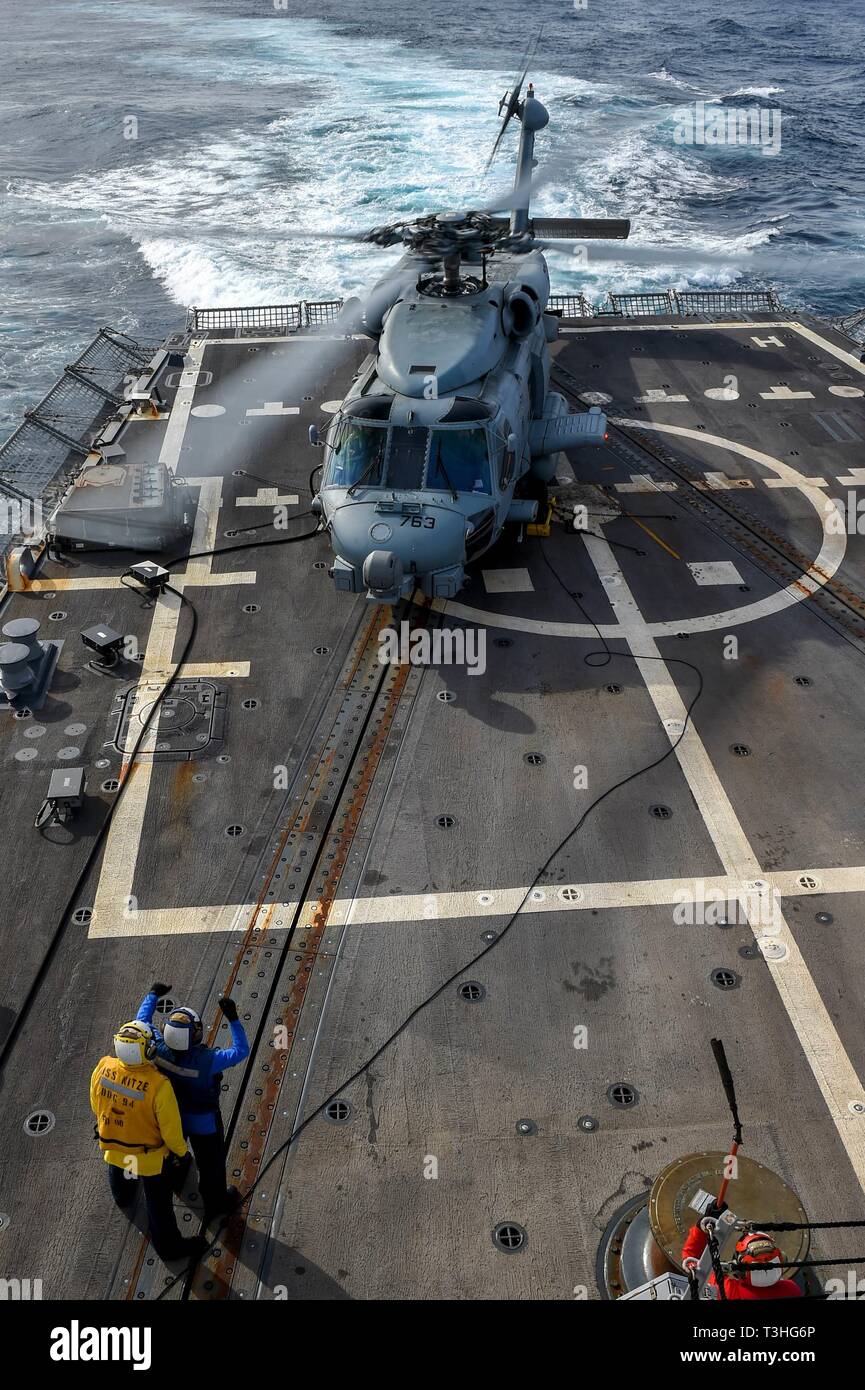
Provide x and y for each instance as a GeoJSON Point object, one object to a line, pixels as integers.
{"type": "Point", "coordinates": [391, 143]}
{"type": "Point", "coordinates": [251, 127]}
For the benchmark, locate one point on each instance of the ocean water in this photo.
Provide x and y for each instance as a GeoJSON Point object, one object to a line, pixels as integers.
{"type": "Point", "coordinates": [156, 155]}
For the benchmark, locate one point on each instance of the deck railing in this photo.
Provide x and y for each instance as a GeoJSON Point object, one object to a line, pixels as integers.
{"type": "Point", "coordinates": [281, 318]}
{"type": "Point", "coordinates": [40, 456]}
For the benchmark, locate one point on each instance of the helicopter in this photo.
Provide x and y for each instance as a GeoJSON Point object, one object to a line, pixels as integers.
{"type": "Point", "coordinates": [450, 431]}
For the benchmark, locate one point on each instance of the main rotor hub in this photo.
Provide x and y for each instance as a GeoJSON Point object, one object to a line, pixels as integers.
{"type": "Point", "coordinates": [470, 235]}
{"type": "Point", "coordinates": [445, 287]}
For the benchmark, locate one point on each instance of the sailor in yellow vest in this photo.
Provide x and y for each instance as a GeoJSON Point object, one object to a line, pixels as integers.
{"type": "Point", "coordinates": [140, 1135]}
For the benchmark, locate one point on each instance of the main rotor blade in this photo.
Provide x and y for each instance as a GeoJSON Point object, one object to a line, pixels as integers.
{"type": "Point", "coordinates": [282, 377]}
{"type": "Point", "coordinates": [636, 255]}
{"type": "Point", "coordinates": [581, 228]}
{"type": "Point", "coordinates": [509, 198]}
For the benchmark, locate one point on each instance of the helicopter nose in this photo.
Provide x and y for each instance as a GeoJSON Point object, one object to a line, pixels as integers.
{"type": "Point", "coordinates": [389, 555]}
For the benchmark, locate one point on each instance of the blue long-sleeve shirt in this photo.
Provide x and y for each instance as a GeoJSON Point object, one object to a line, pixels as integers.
{"type": "Point", "coordinates": [196, 1075]}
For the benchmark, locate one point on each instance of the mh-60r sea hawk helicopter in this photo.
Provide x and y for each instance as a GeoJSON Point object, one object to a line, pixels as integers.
{"type": "Point", "coordinates": [450, 430]}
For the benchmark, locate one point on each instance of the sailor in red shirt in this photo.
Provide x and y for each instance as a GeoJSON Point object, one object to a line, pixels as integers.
{"type": "Point", "coordinates": [762, 1278]}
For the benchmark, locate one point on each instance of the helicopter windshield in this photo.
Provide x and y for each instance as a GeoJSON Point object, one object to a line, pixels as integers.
{"type": "Point", "coordinates": [440, 460]}
{"type": "Point", "coordinates": [357, 454]}
{"type": "Point", "coordinates": [459, 460]}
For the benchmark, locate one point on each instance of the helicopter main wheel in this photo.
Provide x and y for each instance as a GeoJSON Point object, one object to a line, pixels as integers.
{"type": "Point", "coordinates": [534, 489]}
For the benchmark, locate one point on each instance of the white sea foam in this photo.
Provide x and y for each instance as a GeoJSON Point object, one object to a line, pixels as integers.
{"type": "Point", "coordinates": [757, 92]}
{"type": "Point", "coordinates": [663, 76]}
{"type": "Point", "coordinates": [397, 139]}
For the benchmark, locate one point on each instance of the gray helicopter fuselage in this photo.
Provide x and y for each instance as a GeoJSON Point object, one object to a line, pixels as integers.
{"type": "Point", "coordinates": [441, 426]}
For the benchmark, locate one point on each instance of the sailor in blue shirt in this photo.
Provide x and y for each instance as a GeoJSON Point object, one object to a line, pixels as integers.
{"type": "Point", "coordinates": [195, 1071]}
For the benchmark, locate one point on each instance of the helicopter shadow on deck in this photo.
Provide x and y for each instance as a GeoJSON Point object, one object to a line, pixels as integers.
{"type": "Point", "coordinates": [290, 1276]}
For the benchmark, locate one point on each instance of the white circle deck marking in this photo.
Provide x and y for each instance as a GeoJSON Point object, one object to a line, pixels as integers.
{"type": "Point", "coordinates": [848, 392]}
{"type": "Point", "coordinates": [330, 407]}
{"type": "Point", "coordinates": [822, 569]}
{"type": "Point", "coordinates": [207, 412]}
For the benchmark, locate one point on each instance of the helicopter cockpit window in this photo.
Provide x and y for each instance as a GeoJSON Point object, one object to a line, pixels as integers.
{"type": "Point", "coordinates": [357, 456]}
{"type": "Point", "coordinates": [459, 461]}
{"type": "Point", "coordinates": [407, 456]}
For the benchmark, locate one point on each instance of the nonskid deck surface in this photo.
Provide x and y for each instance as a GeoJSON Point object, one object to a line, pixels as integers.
{"type": "Point", "coordinates": [380, 833]}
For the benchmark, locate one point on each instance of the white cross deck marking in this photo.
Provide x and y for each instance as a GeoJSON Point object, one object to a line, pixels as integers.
{"type": "Point", "coordinates": [833, 1071]}
{"type": "Point", "coordinates": [268, 497]}
{"type": "Point", "coordinates": [660, 397]}
{"type": "Point", "coordinates": [643, 482]}
{"type": "Point", "coordinates": [784, 393]}
{"type": "Point", "coordinates": [274, 408]}
{"type": "Point", "coordinates": [855, 478]}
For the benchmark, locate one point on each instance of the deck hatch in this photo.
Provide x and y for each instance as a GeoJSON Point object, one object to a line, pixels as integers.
{"type": "Point", "coordinates": [190, 721]}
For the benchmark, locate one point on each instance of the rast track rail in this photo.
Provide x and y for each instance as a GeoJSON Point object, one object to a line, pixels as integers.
{"type": "Point", "coordinates": [277, 968]}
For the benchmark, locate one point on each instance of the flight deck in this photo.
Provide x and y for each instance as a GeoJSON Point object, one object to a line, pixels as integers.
{"type": "Point", "coordinates": [329, 838]}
